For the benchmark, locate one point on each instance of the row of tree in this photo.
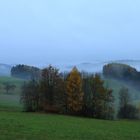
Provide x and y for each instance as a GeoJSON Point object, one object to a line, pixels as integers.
{"type": "Point", "coordinates": [72, 93]}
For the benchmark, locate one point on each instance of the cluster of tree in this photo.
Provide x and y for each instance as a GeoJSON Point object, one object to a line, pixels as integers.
{"type": "Point", "coordinates": [73, 93]}
{"type": "Point", "coordinates": [25, 72]}
{"type": "Point", "coordinates": [127, 110]}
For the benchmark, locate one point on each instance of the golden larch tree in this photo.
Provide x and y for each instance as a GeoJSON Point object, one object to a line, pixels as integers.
{"type": "Point", "coordinates": [74, 91]}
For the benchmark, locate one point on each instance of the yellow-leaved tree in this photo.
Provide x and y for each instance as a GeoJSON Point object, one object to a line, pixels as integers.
{"type": "Point", "coordinates": [74, 91]}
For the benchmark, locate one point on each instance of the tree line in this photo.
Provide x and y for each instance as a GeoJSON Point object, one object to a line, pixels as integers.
{"type": "Point", "coordinates": [72, 93]}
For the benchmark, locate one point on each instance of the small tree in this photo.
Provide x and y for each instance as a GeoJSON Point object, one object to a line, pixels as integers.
{"type": "Point", "coordinates": [126, 109]}
{"type": "Point", "coordinates": [8, 87]}
{"type": "Point", "coordinates": [74, 91]}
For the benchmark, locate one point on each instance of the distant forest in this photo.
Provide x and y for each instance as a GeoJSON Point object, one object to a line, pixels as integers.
{"type": "Point", "coordinates": [25, 72]}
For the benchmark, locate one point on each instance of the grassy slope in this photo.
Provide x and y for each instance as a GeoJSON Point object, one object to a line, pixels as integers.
{"type": "Point", "coordinates": [29, 126]}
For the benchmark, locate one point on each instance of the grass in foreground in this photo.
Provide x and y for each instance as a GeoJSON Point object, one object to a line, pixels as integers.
{"type": "Point", "coordinates": [32, 126]}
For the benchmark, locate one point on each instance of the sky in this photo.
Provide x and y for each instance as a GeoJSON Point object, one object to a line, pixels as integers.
{"type": "Point", "coordinates": [64, 31]}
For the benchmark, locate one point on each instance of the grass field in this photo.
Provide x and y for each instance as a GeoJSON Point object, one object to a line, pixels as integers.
{"type": "Point", "coordinates": [18, 125]}
{"type": "Point", "coordinates": [31, 126]}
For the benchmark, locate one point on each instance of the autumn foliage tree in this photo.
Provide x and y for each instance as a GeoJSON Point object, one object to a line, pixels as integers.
{"type": "Point", "coordinates": [74, 91]}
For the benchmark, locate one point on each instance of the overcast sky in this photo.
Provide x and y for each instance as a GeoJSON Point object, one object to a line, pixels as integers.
{"type": "Point", "coordinates": [61, 31]}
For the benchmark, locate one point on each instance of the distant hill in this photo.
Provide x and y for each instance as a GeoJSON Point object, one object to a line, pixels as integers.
{"type": "Point", "coordinates": [5, 69]}
{"type": "Point", "coordinates": [133, 63]}
{"type": "Point", "coordinates": [95, 66]}
{"type": "Point", "coordinates": [121, 71]}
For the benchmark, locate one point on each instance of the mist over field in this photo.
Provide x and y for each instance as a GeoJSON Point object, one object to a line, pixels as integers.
{"type": "Point", "coordinates": [70, 69]}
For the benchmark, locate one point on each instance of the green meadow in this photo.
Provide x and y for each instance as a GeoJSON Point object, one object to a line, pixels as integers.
{"type": "Point", "coordinates": [33, 126]}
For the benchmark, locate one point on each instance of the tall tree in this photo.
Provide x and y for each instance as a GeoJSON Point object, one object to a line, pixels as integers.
{"type": "Point", "coordinates": [124, 97]}
{"type": "Point", "coordinates": [51, 89]}
{"type": "Point", "coordinates": [74, 91]}
{"type": "Point", "coordinates": [87, 108]}
{"type": "Point", "coordinates": [30, 96]}
{"type": "Point", "coordinates": [126, 109]}
{"type": "Point", "coordinates": [101, 99]}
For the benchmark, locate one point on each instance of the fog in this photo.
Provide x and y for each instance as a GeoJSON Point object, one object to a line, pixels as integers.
{"type": "Point", "coordinates": [52, 31]}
